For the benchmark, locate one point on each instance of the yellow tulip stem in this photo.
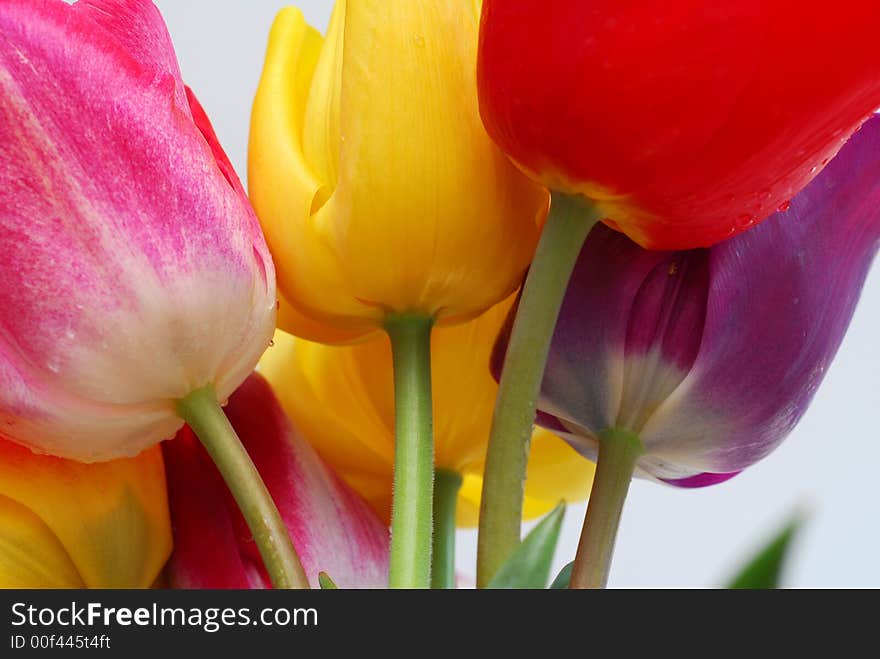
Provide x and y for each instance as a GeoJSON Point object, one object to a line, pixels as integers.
{"type": "Point", "coordinates": [619, 450]}
{"type": "Point", "coordinates": [447, 483]}
{"type": "Point", "coordinates": [568, 224]}
{"type": "Point", "coordinates": [204, 415]}
{"type": "Point", "coordinates": [412, 505]}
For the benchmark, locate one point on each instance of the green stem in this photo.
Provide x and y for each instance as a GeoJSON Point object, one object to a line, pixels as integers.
{"type": "Point", "coordinates": [619, 450]}
{"type": "Point", "coordinates": [204, 415]}
{"type": "Point", "coordinates": [447, 483]}
{"type": "Point", "coordinates": [411, 509]}
{"type": "Point", "coordinates": [568, 224]}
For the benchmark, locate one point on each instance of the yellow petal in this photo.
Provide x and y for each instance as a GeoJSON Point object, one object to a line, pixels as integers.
{"type": "Point", "coordinates": [320, 388]}
{"type": "Point", "coordinates": [555, 473]}
{"type": "Point", "coordinates": [31, 556]}
{"type": "Point", "coordinates": [109, 519]}
{"type": "Point", "coordinates": [396, 200]}
{"type": "Point", "coordinates": [321, 123]}
{"type": "Point", "coordinates": [282, 185]}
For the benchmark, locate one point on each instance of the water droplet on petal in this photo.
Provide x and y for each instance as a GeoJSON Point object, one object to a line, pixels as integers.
{"type": "Point", "coordinates": [784, 206]}
{"type": "Point", "coordinates": [744, 221]}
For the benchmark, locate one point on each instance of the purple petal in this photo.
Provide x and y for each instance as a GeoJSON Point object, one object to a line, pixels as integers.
{"type": "Point", "coordinates": [780, 301]}
{"type": "Point", "coordinates": [701, 480]}
{"type": "Point", "coordinates": [583, 381]}
{"type": "Point", "coordinates": [715, 370]}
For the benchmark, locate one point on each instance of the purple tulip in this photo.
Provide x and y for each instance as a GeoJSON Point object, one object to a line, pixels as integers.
{"type": "Point", "coordinates": [132, 267]}
{"type": "Point", "coordinates": [711, 356]}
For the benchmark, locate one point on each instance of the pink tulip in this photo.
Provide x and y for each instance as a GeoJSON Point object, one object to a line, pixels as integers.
{"type": "Point", "coordinates": [132, 268]}
{"type": "Point", "coordinates": [332, 528]}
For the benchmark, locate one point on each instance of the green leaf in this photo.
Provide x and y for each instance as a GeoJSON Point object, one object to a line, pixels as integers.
{"type": "Point", "coordinates": [326, 582]}
{"type": "Point", "coordinates": [529, 565]}
{"type": "Point", "coordinates": [563, 578]}
{"type": "Point", "coordinates": [764, 570]}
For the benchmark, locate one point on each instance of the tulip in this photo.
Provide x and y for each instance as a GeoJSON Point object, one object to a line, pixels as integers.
{"type": "Point", "coordinates": [136, 287]}
{"type": "Point", "coordinates": [684, 121]}
{"type": "Point", "coordinates": [702, 361]}
{"type": "Point", "coordinates": [342, 400]}
{"type": "Point", "coordinates": [64, 524]}
{"type": "Point", "coordinates": [333, 529]}
{"type": "Point", "coordinates": [386, 205]}
{"type": "Point", "coordinates": [678, 122]}
{"type": "Point", "coordinates": [394, 201]}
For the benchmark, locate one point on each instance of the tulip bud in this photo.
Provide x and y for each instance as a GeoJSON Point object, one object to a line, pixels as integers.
{"type": "Point", "coordinates": [376, 184]}
{"type": "Point", "coordinates": [333, 530]}
{"type": "Point", "coordinates": [64, 524]}
{"type": "Point", "coordinates": [712, 356]}
{"type": "Point", "coordinates": [132, 269]}
{"type": "Point", "coordinates": [685, 122]}
{"type": "Point", "coordinates": [342, 399]}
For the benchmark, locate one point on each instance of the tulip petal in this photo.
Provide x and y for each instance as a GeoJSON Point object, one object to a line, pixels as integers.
{"type": "Point", "coordinates": [686, 121]}
{"type": "Point", "coordinates": [333, 530]}
{"type": "Point", "coordinates": [701, 480]}
{"type": "Point", "coordinates": [110, 520]}
{"type": "Point", "coordinates": [31, 556]}
{"type": "Point", "coordinates": [712, 356]}
{"type": "Point", "coordinates": [585, 375]}
{"type": "Point", "coordinates": [367, 214]}
{"type": "Point", "coordinates": [157, 266]}
{"type": "Point", "coordinates": [320, 388]}
{"type": "Point", "coordinates": [780, 301]}
{"type": "Point", "coordinates": [283, 185]}
{"type": "Point", "coordinates": [136, 29]}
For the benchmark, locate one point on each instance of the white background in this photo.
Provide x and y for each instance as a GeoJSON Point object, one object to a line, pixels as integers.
{"type": "Point", "coordinates": [668, 537]}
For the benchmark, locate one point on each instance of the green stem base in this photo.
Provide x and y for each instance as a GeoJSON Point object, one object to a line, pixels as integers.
{"type": "Point", "coordinates": [619, 450]}
{"type": "Point", "coordinates": [412, 506]}
{"type": "Point", "coordinates": [204, 415]}
{"type": "Point", "coordinates": [447, 483]}
{"type": "Point", "coordinates": [569, 223]}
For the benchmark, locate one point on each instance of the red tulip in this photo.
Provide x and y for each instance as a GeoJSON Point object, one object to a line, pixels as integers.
{"type": "Point", "coordinates": [684, 121]}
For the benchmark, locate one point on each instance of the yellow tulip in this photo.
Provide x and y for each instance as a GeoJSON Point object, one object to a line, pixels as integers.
{"type": "Point", "coordinates": [341, 397]}
{"type": "Point", "coordinates": [378, 189]}
{"type": "Point", "coordinates": [64, 524]}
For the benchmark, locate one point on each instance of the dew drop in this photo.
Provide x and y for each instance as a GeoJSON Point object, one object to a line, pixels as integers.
{"type": "Point", "coordinates": [784, 206]}
{"type": "Point", "coordinates": [271, 343]}
{"type": "Point", "coordinates": [419, 40]}
{"type": "Point", "coordinates": [744, 221]}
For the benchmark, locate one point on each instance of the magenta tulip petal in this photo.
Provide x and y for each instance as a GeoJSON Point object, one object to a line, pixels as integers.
{"type": "Point", "coordinates": [332, 528]}
{"type": "Point", "coordinates": [712, 356]}
{"type": "Point", "coordinates": [585, 370]}
{"type": "Point", "coordinates": [132, 268]}
{"type": "Point", "coordinates": [702, 480]}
